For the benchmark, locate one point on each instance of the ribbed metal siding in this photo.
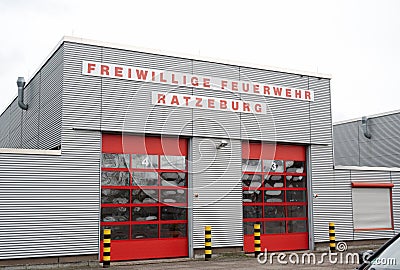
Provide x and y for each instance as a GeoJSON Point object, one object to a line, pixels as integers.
{"type": "Point", "coordinates": [131, 111]}
{"type": "Point", "coordinates": [382, 150]}
{"type": "Point", "coordinates": [39, 127]}
{"type": "Point", "coordinates": [81, 94]}
{"type": "Point", "coordinates": [384, 146]}
{"type": "Point", "coordinates": [324, 184]}
{"type": "Point", "coordinates": [50, 115]}
{"type": "Point", "coordinates": [320, 111]}
{"type": "Point", "coordinates": [210, 123]}
{"type": "Point", "coordinates": [288, 117]}
{"type": "Point", "coordinates": [126, 105]}
{"type": "Point", "coordinates": [49, 205]}
{"type": "Point", "coordinates": [30, 117]}
{"type": "Point", "coordinates": [217, 180]}
{"type": "Point", "coordinates": [396, 200]}
{"type": "Point", "coordinates": [15, 125]}
{"type": "Point", "coordinates": [5, 128]}
{"type": "Point", "coordinates": [258, 126]}
{"type": "Point", "coordinates": [346, 148]}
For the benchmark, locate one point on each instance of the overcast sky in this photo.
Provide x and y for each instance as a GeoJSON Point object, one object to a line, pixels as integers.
{"type": "Point", "coordinates": [357, 42]}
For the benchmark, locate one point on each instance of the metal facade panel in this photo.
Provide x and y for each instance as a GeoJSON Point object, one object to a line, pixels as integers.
{"type": "Point", "coordinates": [216, 178]}
{"type": "Point", "coordinates": [81, 94]}
{"type": "Point", "coordinates": [54, 200]}
{"type": "Point", "coordinates": [257, 126]}
{"type": "Point", "coordinates": [291, 119]}
{"type": "Point", "coordinates": [370, 176]}
{"type": "Point", "coordinates": [383, 147]}
{"type": "Point", "coordinates": [395, 176]}
{"type": "Point", "coordinates": [324, 184]}
{"type": "Point", "coordinates": [15, 125]}
{"type": "Point", "coordinates": [5, 127]}
{"type": "Point", "coordinates": [285, 117]}
{"type": "Point", "coordinates": [381, 150]}
{"type": "Point", "coordinates": [30, 130]}
{"type": "Point", "coordinates": [346, 146]}
{"type": "Point", "coordinates": [212, 123]}
{"type": "Point", "coordinates": [216, 70]}
{"type": "Point", "coordinates": [320, 111]}
{"type": "Point", "coordinates": [131, 109]}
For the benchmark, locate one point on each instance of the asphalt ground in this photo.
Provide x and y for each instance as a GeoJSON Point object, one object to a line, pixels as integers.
{"type": "Point", "coordinates": [229, 261]}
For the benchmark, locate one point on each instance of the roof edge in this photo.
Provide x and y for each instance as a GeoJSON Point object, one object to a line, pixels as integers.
{"type": "Point", "coordinates": [366, 168]}
{"type": "Point", "coordinates": [369, 116]}
{"type": "Point", "coordinates": [189, 56]}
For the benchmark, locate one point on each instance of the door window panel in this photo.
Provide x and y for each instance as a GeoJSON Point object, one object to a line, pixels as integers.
{"type": "Point", "coordinates": [115, 160]}
{"type": "Point", "coordinates": [144, 231]}
{"type": "Point", "coordinates": [173, 179]}
{"type": "Point", "coordinates": [144, 213]}
{"type": "Point", "coordinates": [173, 196]}
{"type": "Point", "coordinates": [173, 162]}
{"type": "Point", "coordinates": [251, 165]}
{"type": "Point", "coordinates": [145, 179]}
{"type": "Point", "coordinates": [173, 230]}
{"type": "Point", "coordinates": [115, 196]}
{"type": "Point", "coordinates": [114, 214]}
{"type": "Point", "coordinates": [144, 195]}
{"type": "Point", "coordinates": [295, 166]}
{"type": "Point", "coordinates": [114, 178]}
{"type": "Point", "coordinates": [273, 166]}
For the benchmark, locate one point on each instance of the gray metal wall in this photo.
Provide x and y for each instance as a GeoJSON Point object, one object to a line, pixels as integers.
{"type": "Point", "coordinates": [39, 127]}
{"type": "Point", "coordinates": [50, 204]}
{"type": "Point", "coordinates": [352, 148]}
{"type": "Point", "coordinates": [216, 178]}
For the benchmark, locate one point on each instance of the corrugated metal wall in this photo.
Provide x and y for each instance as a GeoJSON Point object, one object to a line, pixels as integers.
{"type": "Point", "coordinates": [396, 200]}
{"type": "Point", "coordinates": [216, 178]}
{"type": "Point", "coordinates": [49, 205]}
{"type": "Point", "coordinates": [382, 150]}
{"type": "Point", "coordinates": [39, 127]}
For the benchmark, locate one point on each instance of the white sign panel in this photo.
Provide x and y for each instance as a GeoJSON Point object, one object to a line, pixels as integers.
{"type": "Point", "coordinates": [200, 102]}
{"type": "Point", "coordinates": [195, 81]}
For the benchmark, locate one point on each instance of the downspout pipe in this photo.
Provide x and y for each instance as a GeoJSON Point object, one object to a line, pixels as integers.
{"type": "Point", "coordinates": [21, 85]}
{"type": "Point", "coordinates": [364, 124]}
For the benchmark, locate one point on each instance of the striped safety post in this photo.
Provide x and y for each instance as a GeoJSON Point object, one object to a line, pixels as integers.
{"type": "Point", "coordinates": [332, 238]}
{"type": "Point", "coordinates": [106, 248]}
{"type": "Point", "coordinates": [257, 239]}
{"type": "Point", "coordinates": [207, 243]}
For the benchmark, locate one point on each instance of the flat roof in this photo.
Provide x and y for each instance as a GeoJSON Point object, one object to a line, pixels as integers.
{"type": "Point", "coordinates": [368, 116]}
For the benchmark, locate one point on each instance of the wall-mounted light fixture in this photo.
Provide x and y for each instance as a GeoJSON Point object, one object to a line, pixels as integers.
{"type": "Point", "coordinates": [222, 143]}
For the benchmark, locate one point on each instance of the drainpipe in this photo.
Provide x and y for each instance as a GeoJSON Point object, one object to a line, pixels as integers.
{"type": "Point", "coordinates": [21, 84]}
{"type": "Point", "coordinates": [364, 124]}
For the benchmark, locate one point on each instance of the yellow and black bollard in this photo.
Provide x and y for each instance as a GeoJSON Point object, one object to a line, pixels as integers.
{"type": "Point", "coordinates": [207, 243]}
{"type": "Point", "coordinates": [257, 239]}
{"type": "Point", "coordinates": [332, 238]}
{"type": "Point", "coordinates": [106, 248]}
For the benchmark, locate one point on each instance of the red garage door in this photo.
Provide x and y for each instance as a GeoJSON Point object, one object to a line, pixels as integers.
{"type": "Point", "coordinates": [144, 196]}
{"type": "Point", "coordinates": [275, 195]}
